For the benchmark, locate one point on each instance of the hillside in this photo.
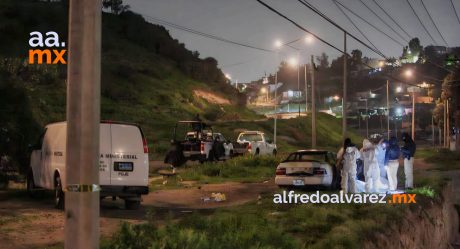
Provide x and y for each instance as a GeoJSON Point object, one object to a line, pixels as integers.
{"type": "Point", "coordinates": [147, 78]}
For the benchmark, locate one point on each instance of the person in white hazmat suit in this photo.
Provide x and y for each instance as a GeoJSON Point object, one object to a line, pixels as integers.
{"type": "Point", "coordinates": [371, 167]}
{"type": "Point", "coordinates": [347, 157]}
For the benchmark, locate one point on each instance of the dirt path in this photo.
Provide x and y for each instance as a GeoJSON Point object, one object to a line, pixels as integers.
{"type": "Point", "coordinates": [28, 223]}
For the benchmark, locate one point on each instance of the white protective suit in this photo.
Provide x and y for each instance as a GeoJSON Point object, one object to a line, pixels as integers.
{"type": "Point", "coordinates": [349, 168]}
{"type": "Point", "coordinates": [371, 167]}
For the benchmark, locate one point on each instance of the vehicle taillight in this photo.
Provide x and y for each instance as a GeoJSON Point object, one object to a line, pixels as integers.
{"type": "Point", "coordinates": [281, 171]}
{"type": "Point", "coordinates": [202, 148]}
{"type": "Point", "coordinates": [319, 171]}
{"type": "Point", "coordinates": [249, 147]}
{"type": "Point", "coordinates": [146, 147]}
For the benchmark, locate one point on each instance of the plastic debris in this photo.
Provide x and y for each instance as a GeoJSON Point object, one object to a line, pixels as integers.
{"type": "Point", "coordinates": [217, 197]}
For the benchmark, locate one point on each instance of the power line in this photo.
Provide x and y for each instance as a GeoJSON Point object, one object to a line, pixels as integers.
{"type": "Point", "coordinates": [437, 29]}
{"type": "Point", "coordinates": [381, 19]}
{"type": "Point", "coordinates": [327, 43]}
{"type": "Point", "coordinates": [199, 33]}
{"type": "Point", "coordinates": [356, 26]}
{"type": "Point", "coordinates": [420, 21]}
{"type": "Point", "coordinates": [388, 15]}
{"type": "Point", "coordinates": [455, 11]}
{"type": "Point", "coordinates": [300, 27]}
{"type": "Point", "coordinates": [370, 24]}
{"type": "Point", "coordinates": [317, 11]}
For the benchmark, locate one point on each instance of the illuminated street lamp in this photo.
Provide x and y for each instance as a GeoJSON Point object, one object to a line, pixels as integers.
{"type": "Point", "coordinates": [309, 39]}
{"type": "Point", "coordinates": [336, 97]}
{"type": "Point", "coordinates": [264, 90]}
{"type": "Point", "coordinates": [398, 89]}
{"type": "Point", "coordinates": [293, 62]}
{"type": "Point", "coordinates": [278, 44]}
{"type": "Point", "coordinates": [408, 73]}
{"type": "Point", "coordinates": [228, 76]}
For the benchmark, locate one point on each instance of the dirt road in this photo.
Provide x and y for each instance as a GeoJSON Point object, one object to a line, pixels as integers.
{"type": "Point", "coordinates": [28, 223]}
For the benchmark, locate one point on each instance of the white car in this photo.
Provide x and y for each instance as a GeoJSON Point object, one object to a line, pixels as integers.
{"type": "Point", "coordinates": [255, 143]}
{"type": "Point", "coordinates": [123, 162]}
{"type": "Point", "coordinates": [308, 168]}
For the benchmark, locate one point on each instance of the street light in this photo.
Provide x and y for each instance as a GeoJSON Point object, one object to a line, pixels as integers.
{"type": "Point", "coordinates": [309, 39]}
{"type": "Point", "coordinates": [293, 62]}
{"type": "Point", "coordinates": [278, 44]}
{"type": "Point", "coordinates": [263, 90]}
{"type": "Point", "coordinates": [398, 89]}
{"type": "Point", "coordinates": [408, 73]}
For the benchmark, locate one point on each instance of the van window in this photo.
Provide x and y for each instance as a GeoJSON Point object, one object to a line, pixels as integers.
{"type": "Point", "coordinates": [126, 139]}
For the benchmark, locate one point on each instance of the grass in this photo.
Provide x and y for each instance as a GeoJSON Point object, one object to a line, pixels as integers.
{"type": "Point", "coordinates": [243, 169]}
{"type": "Point", "coordinates": [443, 159]}
{"type": "Point", "coordinates": [263, 225]}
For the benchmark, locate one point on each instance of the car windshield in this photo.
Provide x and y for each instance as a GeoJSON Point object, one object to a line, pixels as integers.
{"type": "Point", "coordinates": [306, 157]}
{"type": "Point", "coordinates": [250, 137]}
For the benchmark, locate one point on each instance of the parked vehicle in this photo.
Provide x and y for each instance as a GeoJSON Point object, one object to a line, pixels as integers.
{"type": "Point", "coordinates": [308, 168]}
{"type": "Point", "coordinates": [201, 144]}
{"type": "Point", "coordinates": [123, 162]}
{"type": "Point", "coordinates": [255, 143]}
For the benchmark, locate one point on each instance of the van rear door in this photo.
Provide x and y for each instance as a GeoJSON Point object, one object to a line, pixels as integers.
{"type": "Point", "coordinates": [105, 151]}
{"type": "Point", "coordinates": [130, 156]}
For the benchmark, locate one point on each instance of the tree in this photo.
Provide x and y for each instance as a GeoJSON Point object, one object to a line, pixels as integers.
{"type": "Point", "coordinates": [116, 6]}
{"type": "Point", "coordinates": [323, 61]}
{"type": "Point", "coordinates": [356, 58]}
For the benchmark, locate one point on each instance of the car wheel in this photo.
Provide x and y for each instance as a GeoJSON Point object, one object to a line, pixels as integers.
{"type": "Point", "coordinates": [257, 152]}
{"type": "Point", "coordinates": [58, 193]}
{"type": "Point", "coordinates": [132, 205]}
{"type": "Point", "coordinates": [274, 152]}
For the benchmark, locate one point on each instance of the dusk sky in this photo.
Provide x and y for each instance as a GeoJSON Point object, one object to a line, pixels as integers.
{"type": "Point", "coordinates": [249, 22]}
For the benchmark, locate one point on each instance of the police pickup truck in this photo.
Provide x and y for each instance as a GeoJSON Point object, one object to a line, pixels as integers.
{"type": "Point", "coordinates": [255, 143]}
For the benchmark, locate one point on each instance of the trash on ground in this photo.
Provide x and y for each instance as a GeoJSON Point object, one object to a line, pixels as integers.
{"type": "Point", "coordinates": [217, 197]}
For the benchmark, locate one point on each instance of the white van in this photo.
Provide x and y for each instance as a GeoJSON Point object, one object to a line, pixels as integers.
{"type": "Point", "coordinates": [123, 164]}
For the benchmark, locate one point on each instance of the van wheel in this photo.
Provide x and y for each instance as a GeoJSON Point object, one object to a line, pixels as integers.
{"type": "Point", "coordinates": [257, 152]}
{"type": "Point", "coordinates": [132, 205]}
{"type": "Point", "coordinates": [30, 183]}
{"type": "Point", "coordinates": [274, 152]}
{"type": "Point", "coordinates": [58, 193]}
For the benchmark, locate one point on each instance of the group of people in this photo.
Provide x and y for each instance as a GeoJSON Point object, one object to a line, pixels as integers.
{"type": "Point", "coordinates": [381, 163]}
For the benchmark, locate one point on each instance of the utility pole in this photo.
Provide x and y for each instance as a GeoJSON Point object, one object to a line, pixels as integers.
{"type": "Point", "coordinates": [344, 107]}
{"type": "Point", "coordinates": [432, 130]}
{"type": "Point", "coordinates": [274, 102]}
{"type": "Point", "coordinates": [367, 120]}
{"type": "Point", "coordinates": [413, 116]}
{"type": "Point", "coordinates": [306, 90]}
{"type": "Point", "coordinates": [445, 124]}
{"type": "Point", "coordinates": [388, 109]}
{"type": "Point", "coordinates": [81, 225]}
{"type": "Point", "coordinates": [298, 81]}
{"type": "Point", "coordinates": [313, 106]}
